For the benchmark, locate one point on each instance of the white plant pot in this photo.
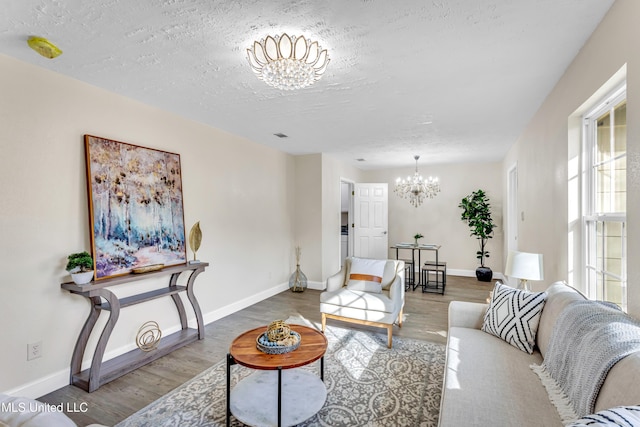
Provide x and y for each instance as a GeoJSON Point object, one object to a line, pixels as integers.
{"type": "Point", "coordinates": [82, 278]}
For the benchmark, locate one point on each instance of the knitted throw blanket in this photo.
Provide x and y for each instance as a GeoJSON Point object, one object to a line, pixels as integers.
{"type": "Point", "coordinates": [588, 339]}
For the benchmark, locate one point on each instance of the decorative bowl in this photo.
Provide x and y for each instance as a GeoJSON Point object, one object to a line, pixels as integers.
{"type": "Point", "coordinates": [271, 347]}
{"type": "Point", "coordinates": [148, 268]}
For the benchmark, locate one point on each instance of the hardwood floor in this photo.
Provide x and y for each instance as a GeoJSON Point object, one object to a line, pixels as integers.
{"type": "Point", "coordinates": [425, 319]}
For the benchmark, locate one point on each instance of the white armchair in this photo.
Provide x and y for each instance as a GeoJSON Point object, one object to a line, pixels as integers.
{"type": "Point", "coordinates": [344, 300]}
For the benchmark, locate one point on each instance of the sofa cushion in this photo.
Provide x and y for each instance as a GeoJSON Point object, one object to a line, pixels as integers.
{"type": "Point", "coordinates": [589, 338]}
{"type": "Point", "coordinates": [559, 295]}
{"type": "Point", "coordinates": [391, 270]}
{"type": "Point", "coordinates": [358, 300]}
{"type": "Point", "coordinates": [513, 315]}
{"type": "Point", "coordinates": [488, 383]}
{"type": "Point", "coordinates": [621, 385]}
{"type": "Point", "coordinates": [366, 275]}
{"type": "Point", "coordinates": [618, 416]}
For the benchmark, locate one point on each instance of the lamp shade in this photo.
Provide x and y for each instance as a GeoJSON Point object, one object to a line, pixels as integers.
{"type": "Point", "coordinates": [523, 265]}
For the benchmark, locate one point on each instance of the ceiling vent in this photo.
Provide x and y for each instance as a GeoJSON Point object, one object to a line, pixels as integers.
{"type": "Point", "coordinates": [281, 135]}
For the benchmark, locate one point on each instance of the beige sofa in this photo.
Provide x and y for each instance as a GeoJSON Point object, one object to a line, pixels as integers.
{"type": "Point", "coordinates": [381, 309]}
{"type": "Point", "coordinates": [489, 382]}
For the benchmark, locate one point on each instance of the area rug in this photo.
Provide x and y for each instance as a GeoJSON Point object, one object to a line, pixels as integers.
{"type": "Point", "coordinates": [367, 384]}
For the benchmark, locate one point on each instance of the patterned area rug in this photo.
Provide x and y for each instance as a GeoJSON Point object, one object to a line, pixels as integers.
{"type": "Point", "coordinates": [367, 385]}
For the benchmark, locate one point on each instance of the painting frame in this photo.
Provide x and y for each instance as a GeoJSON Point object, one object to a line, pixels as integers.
{"type": "Point", "coordinates": [136, 209]}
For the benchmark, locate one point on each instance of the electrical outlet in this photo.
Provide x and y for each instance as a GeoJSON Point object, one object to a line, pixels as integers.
{"type": "Point", "coordinates": [34, 350]}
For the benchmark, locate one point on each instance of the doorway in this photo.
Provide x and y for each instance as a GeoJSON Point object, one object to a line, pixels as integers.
{"type": "Point", "coordinates": [363, 220]}
{"type": "Point", "coordinates": [370, 220]}
{"type": "Point", "coordinates": [346, 219]}
{"type": "Point", "coordinates": [512, 213]}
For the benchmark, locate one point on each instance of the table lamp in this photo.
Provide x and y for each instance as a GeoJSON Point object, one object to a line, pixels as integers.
{"type": "Point", "coordinates": [524, 266]}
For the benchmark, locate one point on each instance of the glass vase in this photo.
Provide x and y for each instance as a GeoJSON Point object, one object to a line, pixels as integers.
{"type": "Point", "coordinates": [297, 281]}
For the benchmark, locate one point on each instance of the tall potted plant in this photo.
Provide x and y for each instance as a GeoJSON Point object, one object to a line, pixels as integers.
{"type": "Point", "coordinates": [476, 211]}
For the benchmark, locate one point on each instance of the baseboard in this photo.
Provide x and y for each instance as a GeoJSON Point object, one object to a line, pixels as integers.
{"type": "Point", "coordinates": [41, 386]}
{"type": "Point", "coordinates": [212, 316]}
{"type": "Point", "coordinates": [472, 273]}
{"type": "Point", "coordinates": [59, 379]}
{"type": "Point", "coordinates": [318, 286]}
{"type": "Point", "coordinates": [462, 273]}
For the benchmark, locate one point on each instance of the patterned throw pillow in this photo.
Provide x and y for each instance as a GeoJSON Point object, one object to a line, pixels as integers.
{"type": "Point", "coordinates": [618, 416]}
{"type": "Point", "coordinates": [366, 275]}
{"type": "Point", "coordinates": [513, 315]}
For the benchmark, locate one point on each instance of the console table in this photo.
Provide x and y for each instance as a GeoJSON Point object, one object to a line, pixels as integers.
{"type": "Point", "coordinates": [101, 373]}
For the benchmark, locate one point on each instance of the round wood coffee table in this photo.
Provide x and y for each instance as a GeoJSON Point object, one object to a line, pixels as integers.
{"type": "Point", "coordinates": [297, 394]}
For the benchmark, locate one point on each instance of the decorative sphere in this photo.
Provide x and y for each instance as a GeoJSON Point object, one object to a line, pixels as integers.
{"type": "Point", "coordinates": [278, 330]}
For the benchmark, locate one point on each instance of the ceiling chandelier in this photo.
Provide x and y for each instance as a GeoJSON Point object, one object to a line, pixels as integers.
{"type": "Point", "coordinates": [287, 63]}
{"type": "Point", "coordinates": [416, 188]}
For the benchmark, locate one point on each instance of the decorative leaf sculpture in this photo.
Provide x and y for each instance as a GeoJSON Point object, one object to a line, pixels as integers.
{"type": "Point", "coordinates": [195, 238]}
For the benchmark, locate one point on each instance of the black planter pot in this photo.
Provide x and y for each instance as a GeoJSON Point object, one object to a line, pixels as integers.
{"type": "Point", "coordinates": [484, 274]}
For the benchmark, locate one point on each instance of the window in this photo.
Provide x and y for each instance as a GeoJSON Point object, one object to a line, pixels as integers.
{"type": "Point", "coordinates": [605, 225]}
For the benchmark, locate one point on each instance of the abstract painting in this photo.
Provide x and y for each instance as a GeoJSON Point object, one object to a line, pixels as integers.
{"type": "Point", "coordinates": [135, 206]}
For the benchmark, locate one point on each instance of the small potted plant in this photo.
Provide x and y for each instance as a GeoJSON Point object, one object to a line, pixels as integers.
{"type": "Point", "coordinates": [416, 237]}
{"type": "Point", "coordinates": [476, 212]}
{"type": "Point", "coordinates": [80, 265]}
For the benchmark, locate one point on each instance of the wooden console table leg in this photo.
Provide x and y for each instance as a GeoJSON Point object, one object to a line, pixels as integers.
{"type": "Point", "coordinates": [96, 362]}
{"type": "Point", "coordinates": [194, 302]}
{"type": "Point", "coordinates": [178, 302]}
{"type": "Point", "coordinates": [83, 338]}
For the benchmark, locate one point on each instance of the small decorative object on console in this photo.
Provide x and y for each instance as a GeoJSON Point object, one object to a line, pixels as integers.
{"type": "Point", "coordinates": [80, 265]}
{"type": "Point", "coordinates": [148, 336]}
{"type": "Point", "coordinates": [148, 268]}
{"type": "Point", "coordinates": [195, 238]}
{"type": "Point", "coordinates": [416, 237]}
{"type": "Point", "coordinates": [278, 339]}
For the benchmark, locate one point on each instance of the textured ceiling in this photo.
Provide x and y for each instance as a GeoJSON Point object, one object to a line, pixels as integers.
{"type": "Point", "coordinates": [450, 80]}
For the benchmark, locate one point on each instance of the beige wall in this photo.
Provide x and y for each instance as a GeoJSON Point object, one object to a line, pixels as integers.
{"type": "Point", "coordinates": [542, 150]}
{"type": "Point", "coordinates": [242, 194]}
{"type": "Point", "coordinates": [438, 219]}
{"type": "Point", "coordinates": [308, 208]}
{"type": "Point", "coordinates": [333, 172]}
{"type": "Point", "coordinates": [318, 214]}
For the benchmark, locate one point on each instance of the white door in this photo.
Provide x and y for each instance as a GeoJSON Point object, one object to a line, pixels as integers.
{"type": "Point", "coordinates": [371, 239]}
